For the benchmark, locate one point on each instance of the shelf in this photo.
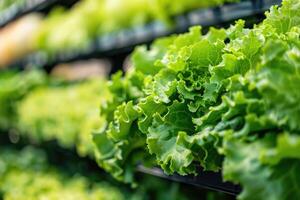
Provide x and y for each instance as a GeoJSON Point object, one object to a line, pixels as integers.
{"type": "Point", "coordinates": [15, 11]}
{"type": "Point", "coordinates": [123, 42]}
{"type": "Point", "coordinates": [206, 180]}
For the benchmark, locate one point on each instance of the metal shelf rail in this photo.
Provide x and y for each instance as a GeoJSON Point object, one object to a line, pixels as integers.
{"type": "Point", "coordinates": [124, 41]}
{"type": "Point", "coordinates": [206, 180]}
{"type": "Point", "coordinates": [15, 11]}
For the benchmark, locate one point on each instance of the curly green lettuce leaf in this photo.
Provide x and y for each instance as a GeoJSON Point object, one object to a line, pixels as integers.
{"type": "Point", "coordinates": [117, 147]}
{"type": "Point", "coordinates": [278, 80]}
{"type": "Point", "coordinates": [283, 18]}
{"type": "Point", "coordinates": [167, 139]}
{"type": "Point", "coordinates": [243, 164]}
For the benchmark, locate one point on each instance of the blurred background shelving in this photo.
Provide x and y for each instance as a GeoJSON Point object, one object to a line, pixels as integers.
{"type": "Point", "coordinates": [19, 8]}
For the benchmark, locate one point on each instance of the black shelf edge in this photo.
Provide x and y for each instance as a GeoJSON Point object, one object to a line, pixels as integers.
{"type": "Point", "coordinates": [16, 11]}
{"type": "Point", "coordinates": [124, 41]}
{"type": "Point", "coordinates": [204, 179]}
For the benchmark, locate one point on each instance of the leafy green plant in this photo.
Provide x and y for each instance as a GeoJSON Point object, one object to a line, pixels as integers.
{"type": "Point", "coordinates": [225, 100]}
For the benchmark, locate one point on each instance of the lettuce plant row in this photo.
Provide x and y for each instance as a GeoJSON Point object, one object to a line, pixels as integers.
{"type": "Point", "coordinates": [25, 174]}
{"type": "Point", "coordinates": [75, 28]}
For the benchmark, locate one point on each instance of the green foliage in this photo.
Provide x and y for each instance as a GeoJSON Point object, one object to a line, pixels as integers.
{"type": "Point", "coordinates": [27, 175]}
{"type": "Point", "coordinates": [65, 30]}
{"type": "Point", "coordinates": [228, 99]}
{"type": "Point", "coordinates": [14, 87]}
{"type": "Point", "coordinates": [67, 114]}
{"type": "Point", "coordinates": [261, 178]}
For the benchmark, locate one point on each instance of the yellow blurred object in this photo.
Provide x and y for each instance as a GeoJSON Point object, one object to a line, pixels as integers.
{"type": "Point", "coordinates": [16, 38]}
{"type": "Point", "coordinates": [82, 69]}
